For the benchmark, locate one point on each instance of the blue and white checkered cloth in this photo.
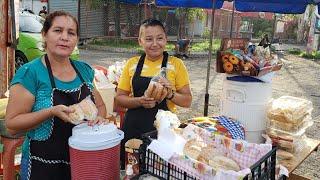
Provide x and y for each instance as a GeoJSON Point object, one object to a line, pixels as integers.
{"type": "Point", "coordinates": [234, 127]}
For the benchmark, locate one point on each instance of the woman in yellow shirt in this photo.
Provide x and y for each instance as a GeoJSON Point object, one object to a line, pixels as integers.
{"type": "Point", "coordinates": [136, 77]}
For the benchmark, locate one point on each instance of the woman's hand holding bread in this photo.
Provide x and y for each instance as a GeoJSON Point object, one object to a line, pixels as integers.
{"type": "Point", "coordinates": [62, 112]}
{"type": "Point", "coordinates": [158, 90]}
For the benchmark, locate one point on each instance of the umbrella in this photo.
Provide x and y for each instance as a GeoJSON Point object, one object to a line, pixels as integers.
{"type": "Point", "coordinates": [277, 6]}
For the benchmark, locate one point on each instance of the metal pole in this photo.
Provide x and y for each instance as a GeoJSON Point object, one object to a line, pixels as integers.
{"type": "Point", "coordinates": [232, 16]}
{"type": "Point", "coordinates": [206, 98]}
{"type": "Point", "coordinates": [3, 47]}
{"type": "Point", "coordinates": [145, 10]}
{"type": "Point", "coordinates": [274, 26]}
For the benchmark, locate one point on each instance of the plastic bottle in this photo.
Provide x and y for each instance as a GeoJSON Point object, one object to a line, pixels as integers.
{"type": "Point", "coordinates": [129, 172]}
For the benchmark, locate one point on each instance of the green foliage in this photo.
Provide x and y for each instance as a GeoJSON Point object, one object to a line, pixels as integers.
{"type": "Point", "coordinates": [121, 43]}
{"type": "Point", "coordinates": [295, 51]}
{"type": "Point", "coordinates": [133, 44]}
{"type": "Point", "coordinates": [206, 33]}
{"type": "Point", "coordinates": [261, 27]}
{"type": "Point", "coordinates": [204, 46]}
{"type": "Point", "coordinates": [314, 55]}
{"type": "Point", "coordinates": [190, 13]}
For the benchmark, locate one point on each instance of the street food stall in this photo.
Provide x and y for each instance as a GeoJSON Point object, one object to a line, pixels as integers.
{"type": "Point", "coordinates": [228, 62]}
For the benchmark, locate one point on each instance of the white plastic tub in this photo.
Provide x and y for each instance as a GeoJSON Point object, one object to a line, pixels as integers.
{"type": "Point", "coordinates": [247, 102]}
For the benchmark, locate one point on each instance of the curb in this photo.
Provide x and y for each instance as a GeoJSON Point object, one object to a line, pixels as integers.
{"type": "Point", "coordinates": [132, 51]}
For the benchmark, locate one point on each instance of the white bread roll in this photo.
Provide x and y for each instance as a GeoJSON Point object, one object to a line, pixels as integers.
{"type": "Point", "coordinates": [89, 109]}
{"type": "Point", "coordinates": [77, 116]}
{"type": "Point", "coordinates": [193, 148]}
{"type": "Point", "coordinates": [225, 163]}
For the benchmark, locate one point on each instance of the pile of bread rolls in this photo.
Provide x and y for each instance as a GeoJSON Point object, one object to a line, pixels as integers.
{"type": "Point", "coordinates": [86, 109]}
{"type": "Point", "coordinates": [209, 155]}
{"type": "Point", "coordinates": [156, 90]}
{"type": "Point", "coordinates": [288, 119]}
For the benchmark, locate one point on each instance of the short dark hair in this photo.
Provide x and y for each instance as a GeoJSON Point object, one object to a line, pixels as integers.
{"type": "Point", "coordinates": [151, 22]}
{"type": "Point", "coordinates": [49, 19]}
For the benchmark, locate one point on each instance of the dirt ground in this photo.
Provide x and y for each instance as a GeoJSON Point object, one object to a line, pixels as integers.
{"type": "Point", "coordinates": [298, 77]}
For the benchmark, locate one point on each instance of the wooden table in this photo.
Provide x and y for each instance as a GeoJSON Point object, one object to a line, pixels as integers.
{"type": "Point", "coordinates": [292, 164]}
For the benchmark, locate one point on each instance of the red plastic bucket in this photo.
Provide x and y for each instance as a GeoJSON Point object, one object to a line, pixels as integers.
{"type": "Point", "coordinates": [95, 152]}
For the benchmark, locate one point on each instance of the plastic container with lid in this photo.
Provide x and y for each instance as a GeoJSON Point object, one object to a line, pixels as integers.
{"type": "Point", "coordinates": [95, 152]}
{"type": "Point", "coordinates": [291, 128]}
{"type": "Point", "coordinates": [291, 142]}
{"type": "Point", "coordinates": [289, 109]}
{"type": "Point", "coordinates": [246, 100]}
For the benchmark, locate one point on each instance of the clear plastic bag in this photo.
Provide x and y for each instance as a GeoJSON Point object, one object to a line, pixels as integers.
{"type": "Point", "coordinates": [289, 109]}
{"type": "Point", "coordinates": [155, 89]}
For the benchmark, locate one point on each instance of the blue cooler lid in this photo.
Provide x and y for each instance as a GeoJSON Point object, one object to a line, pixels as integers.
{"type": "Point", "coordinates": [98, 137]}
{"type": "Point", "coordinates": [243, 79]}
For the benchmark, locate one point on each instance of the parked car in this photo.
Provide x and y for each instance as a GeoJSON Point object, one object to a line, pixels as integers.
{"type": "Point", "coordinates": [30, 45]}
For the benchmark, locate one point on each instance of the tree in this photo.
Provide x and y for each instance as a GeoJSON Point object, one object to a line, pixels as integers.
{"type": "Point", "coordinates": [188, 15]}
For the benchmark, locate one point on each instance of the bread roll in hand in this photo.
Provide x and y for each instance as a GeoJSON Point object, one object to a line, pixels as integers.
{"type": "Point", "coordinates": [86, 109]}
{"type": "Point", "coordinates": [89, 108]}
{"type": "Point", "coordinates": [149, 92]}
{"type": "Point", "coordinates": [77, 116]}
{"type": "Point", "coordinates": [158, 92]}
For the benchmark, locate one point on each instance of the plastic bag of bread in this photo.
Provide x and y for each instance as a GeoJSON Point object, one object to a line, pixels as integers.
{"type": "Point", "coordinates": [287, 141]}
{"type": "Point", "coordinates": [193, 148]}
{"type": "Point", "coordinates": [86, 109]}
{"type": "Point", "coordinates": [166, 120]}
{"type": "Point", "coordinates": [156, 90]}
{"type": "Point", "coordinates": [289, 109]}
{"type": "Point", "coordinates": [225, 163]}
{"type": "Point", "coordinates": [290, 127]}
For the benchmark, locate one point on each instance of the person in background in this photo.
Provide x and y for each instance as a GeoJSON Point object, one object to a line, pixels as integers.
{"type": "Point", "coordinates": [43, 13]}
{"type": "Point", "coordinates": [136, 77]}
{"type": "Point", "coordinates": [40, 95]}
{"type": "Point", "coordinates": [182, 47]}
{"type": "Point", "coordinates": [265, 41]}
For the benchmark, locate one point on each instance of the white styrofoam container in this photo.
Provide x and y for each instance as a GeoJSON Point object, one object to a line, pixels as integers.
{"type": "Point", "coordinates": [247, 102]}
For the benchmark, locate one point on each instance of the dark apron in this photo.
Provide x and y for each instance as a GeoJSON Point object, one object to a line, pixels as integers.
{"type": "Point", "coordinates": [50, 158]}
{"type": "Point", "coordinates": [140, 120]}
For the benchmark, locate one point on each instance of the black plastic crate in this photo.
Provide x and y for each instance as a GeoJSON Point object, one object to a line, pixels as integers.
{"type": "Point", "coordinates": [151, 163]}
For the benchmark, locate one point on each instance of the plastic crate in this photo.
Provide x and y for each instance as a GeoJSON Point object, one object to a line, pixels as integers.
{"type": "Point", "coordinates": [151, 163]}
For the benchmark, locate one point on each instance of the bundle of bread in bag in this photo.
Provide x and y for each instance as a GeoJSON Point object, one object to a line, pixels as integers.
{"type": "Point", "coordinates": [288, 119]}
{"type": "Point", "coordinates": [155, 89]}
{"type": "Point", "coordinates": [86, 109]}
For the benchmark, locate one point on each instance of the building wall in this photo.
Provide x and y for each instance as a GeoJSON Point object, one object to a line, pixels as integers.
{"type": "Point", "coordinates": [70, 6]}
{"type": "Point", "coordinates": [92, 21]}
{"type": "Point", "coordinates": [222, 23]}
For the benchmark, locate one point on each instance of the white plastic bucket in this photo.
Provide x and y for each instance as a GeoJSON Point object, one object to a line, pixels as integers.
{"type": "Point", "coordinates": [247, 102]}
{"type": "Point", "coordinates": [255, 136]}
{"type": "Point", "coordinates": [252, 116]}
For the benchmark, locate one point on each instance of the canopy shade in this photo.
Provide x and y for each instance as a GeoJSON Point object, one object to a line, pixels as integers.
{"type": "Point", "coordinates": [276, 6]}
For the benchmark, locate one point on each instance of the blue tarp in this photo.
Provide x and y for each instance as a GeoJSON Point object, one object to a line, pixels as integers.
{"type": "Point", "coordinates": [277, 6]}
